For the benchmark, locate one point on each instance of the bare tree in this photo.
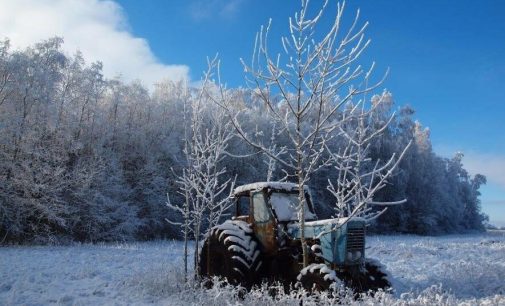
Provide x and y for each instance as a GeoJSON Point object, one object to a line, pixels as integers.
{"type": "Point", "coordinates": [201, 182]}
{"type": "Point", "coordinates": [359, 179]}
{"type": "Point", "coordinates": [306, 91]}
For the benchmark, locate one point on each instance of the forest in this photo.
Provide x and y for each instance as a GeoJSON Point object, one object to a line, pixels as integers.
{"type": "Point", "coordinates": [85, 158]}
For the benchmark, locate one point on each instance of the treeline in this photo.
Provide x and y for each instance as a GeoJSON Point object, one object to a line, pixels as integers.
{"type": "Point", "coordinates": [85, 158]}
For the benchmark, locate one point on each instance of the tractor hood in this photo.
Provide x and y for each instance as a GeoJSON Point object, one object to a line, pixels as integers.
{"type": "Point", "coordinates": [342, 240]}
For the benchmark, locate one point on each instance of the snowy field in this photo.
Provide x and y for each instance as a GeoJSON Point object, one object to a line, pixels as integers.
{"type": "Point", "coordinates": [449, 270]}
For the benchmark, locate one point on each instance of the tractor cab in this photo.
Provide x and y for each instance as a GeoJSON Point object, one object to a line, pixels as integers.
{"type": "Point", "coordinates": [270, 207]}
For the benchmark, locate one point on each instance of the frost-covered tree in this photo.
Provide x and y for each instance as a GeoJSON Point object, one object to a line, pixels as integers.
{"type": "Point", "coordinates": [305, 90]}
{"type": "Point", "coordinates": [202, 182]}
{"type": "Point", "coordinates": [87, 158]}
{"type": "Point", "coordinates": [359, 178]}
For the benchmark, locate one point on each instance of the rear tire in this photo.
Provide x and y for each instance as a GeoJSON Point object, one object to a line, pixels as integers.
{"type": "Point", "coordinates": [231, 251]}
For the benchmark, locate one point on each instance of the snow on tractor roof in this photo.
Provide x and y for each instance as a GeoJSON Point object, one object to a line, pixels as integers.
{"type": "Point", "coordinates": [281, 186]}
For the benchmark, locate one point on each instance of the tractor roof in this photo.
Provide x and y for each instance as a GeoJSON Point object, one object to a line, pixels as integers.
{"type": "Point", "coordinates": [279, 186]}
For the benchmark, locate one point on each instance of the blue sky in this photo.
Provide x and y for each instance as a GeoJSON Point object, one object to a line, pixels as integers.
{"type": "Point", "coordinates": [447, 58]}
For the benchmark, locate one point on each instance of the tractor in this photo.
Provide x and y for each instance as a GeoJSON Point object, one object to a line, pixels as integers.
{"type": "Point", "coordinates": [262, 242]}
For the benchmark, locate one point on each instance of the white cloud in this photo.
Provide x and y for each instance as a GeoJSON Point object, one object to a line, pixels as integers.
{"type": "Point", "coordinates": [498, 203]}
{"type": "Point", "coordinates": [490, 165]}
{"type": "Point", "coordinates": [97, 28]}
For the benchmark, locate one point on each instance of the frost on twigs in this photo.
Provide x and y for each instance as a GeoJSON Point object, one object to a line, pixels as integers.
{"type": "Point", "coordinates": [306, 91]}
{"type": "Point", "coordinates": [203, 184]}
{"type": "Point", "coordinates": [358, 178]}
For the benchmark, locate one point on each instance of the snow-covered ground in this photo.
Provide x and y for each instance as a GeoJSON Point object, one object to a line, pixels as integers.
{"type": "Point", "coordinates": [449, 270]}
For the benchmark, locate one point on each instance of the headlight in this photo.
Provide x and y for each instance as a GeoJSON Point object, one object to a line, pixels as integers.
{"type": "Point", "coordinates": [353, 256]}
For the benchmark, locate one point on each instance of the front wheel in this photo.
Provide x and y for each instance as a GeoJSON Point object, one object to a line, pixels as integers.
{"type": "Point", "coordinates": [370, 278]}
{"type": "Point", "coordinates": [376, 275]}
{"type": "Point", "coordinates": [318, 278]}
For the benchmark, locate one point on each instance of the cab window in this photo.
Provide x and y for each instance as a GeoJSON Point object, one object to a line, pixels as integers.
{"type": "Point", "coordinates": [243, 203]}
{"type": "Point", "coordinates": [260, 209]}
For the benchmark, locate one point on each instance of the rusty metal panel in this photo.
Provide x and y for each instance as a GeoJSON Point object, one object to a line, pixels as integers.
{"type": "Point", "coordinates": [265, 232]}
{"type": "Point", "coordinates": [264, 224]}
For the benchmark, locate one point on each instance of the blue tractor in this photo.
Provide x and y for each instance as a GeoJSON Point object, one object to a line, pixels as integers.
{"type": "Point", "coordinates": [263, 243]}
